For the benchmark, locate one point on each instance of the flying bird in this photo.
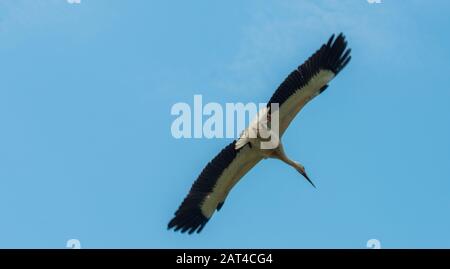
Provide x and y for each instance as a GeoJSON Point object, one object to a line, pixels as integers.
{"type": "Point", "coordinates": [209, 191]}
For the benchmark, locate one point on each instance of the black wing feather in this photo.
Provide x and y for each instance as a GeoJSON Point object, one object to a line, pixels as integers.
{"type": "Point", "coordinates": [333, 56]}
{"type": "Point", "coordinates": [189, 216]}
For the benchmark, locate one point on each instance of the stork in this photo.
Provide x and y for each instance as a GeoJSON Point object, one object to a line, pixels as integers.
{"type": "Point", "coordinates": [220, 175]}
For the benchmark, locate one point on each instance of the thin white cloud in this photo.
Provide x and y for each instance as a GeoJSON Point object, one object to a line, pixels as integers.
{"type": "Point", "coordinates": [20, 13]}
{"type": "Point", "coordinates": [287, 31]}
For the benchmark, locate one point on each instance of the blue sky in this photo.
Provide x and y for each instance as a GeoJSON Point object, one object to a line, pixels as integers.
{"type": "Point", "coordinates": [86, 150]}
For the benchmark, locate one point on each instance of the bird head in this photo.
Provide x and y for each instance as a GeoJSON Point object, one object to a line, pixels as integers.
{"type": "Point", "coordinates": [302, 170]}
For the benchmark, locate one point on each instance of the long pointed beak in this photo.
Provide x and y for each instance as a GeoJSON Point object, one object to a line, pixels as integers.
{"type": "Point", "coordinates": [307, 178]}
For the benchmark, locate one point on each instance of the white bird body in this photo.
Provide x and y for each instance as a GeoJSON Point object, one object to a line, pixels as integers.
{"type": "Point", "coordinates": [261, 139]}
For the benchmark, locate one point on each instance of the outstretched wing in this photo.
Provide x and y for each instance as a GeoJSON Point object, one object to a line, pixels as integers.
{"type": "Point", "coordinates": [212, 186]}
{"type": "Point", "coordinates": [310, 79]}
